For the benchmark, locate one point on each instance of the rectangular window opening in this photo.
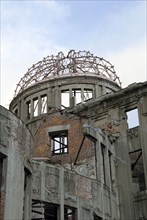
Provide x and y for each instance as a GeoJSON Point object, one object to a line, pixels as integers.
{"type": "Point", "coordinates": [137, 168]}
{"type": "Point", "coordinates": [59, 142]}
{"type": "Point", "coordinates": [44, 210]}
{"type": "Point", "coordinates": [28, 109]}
{"type": "Point", "coordinates": [35, 107]}
{"type": "Point", "coordinates": [110, 165]}
{"type": "Point", "coordinates": [132, 118]}
{"type": "Point", "coordinates": [50, 211]}
{"type": "Point", "coordinates": [76, 94]}
{"type": "Point", "coordinates": [87, 94]}
{"type": "Point", "coordinates": [103, 149]}
{"type": "Point", "coordinates": [69, 213]}
{"type": "Point", "coordinates": [65, 99]}
{"type": "Point", "coordinates": [43, 104]}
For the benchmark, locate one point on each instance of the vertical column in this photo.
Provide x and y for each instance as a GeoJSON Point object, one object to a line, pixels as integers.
{"type": "Point", "coordinates": [71, 98]}
{"type": "Point", "coordinates": [39, 105]}
{"type": "Point", "coordinates": [82, 94]}
{"type": "Point", "coordinates": [23, 110]}
{"type": "Point", "coordinates": [123, 171]}
{"type": "Point", "coordinates": [142, 110]}
{"type": "Point", "coordinates": [32, 109]}
{"type": "Point", "coordinates": [106, 165]}
{"type": "Point", "coordinates": [49, 98]}
{"type": "Point", "coordinates": [61, 186]}
{"type": "Point", "coordinates": [98, 91]}
{"type": "Point", "coordinates": [99, 172]}
{"type": "Point", "coordinates": [103, 89]}
{"type": "Point", "coordinates": [57, 97]}
{"type": "Point", "coordinates": [98, 159]}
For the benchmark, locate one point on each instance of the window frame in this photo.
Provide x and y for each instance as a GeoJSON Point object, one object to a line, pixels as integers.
{"type": "Point", "coordinates": [132, 118]}
{"type": "Point", "coordinates": [60, 145]}
{"type": "Point", "coordinates": [56, 130]}
{"type": "Point", "coordinates": [69, 213]}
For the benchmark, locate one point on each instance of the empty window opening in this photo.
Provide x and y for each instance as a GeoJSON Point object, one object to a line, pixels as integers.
{"type": "Point", "coordinates": [50, 211]}
{"type": "Point", "coordinates": [65, 99]}
{"type": "Point", "coordinates": [103, 150]}
{"type": "Point", "coordinates": [76, 94]}
{"type": "Point", "coordinates": [44, 104]}
{"type": "Point", "coordinates": [132, 118]}
{"type": "Point", "coordinates": [110, 165]}
{"type": "Point", "coordinates": [69, 213]}
{"type": "Point", "coordinates": [35, 107]}
{"type": "Point", "coordinates": [59, 143]}
{"type": "Point", "coordinates": [87, 94]}
{"type": "Point", "coordinates": [28, 109]}
{"type": "Point", "coordinates": [44, 210]}
{"type": "Point", "coordinates": [137, 168]}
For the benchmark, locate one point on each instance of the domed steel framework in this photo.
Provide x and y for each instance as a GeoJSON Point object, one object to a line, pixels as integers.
{"type": "Point", "coordinates": [82, 62]}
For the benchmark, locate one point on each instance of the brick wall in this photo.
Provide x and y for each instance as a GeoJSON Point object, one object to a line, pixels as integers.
{"type": "Point", "coordinates": [42, 146]}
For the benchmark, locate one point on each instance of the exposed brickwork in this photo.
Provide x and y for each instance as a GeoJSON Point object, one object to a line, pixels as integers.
{"type": "Point", "coordinates": [42, 146]}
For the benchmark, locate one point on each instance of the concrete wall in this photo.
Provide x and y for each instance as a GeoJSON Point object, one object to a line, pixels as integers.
{"type": "Point", "coordinates": [110, 115]}
{"type": "Point", "coordinates": [16, 150]}
{"type": "Point", "coordinates": [55, 184]}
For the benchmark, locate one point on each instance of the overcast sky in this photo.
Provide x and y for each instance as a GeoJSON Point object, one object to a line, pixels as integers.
{"type": "Point", "coordinates": [30, 30]}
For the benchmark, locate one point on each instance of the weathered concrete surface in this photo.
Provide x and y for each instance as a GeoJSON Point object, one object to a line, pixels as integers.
{"type": "Point", "coordinates": [109, 114]}
{"type": "Point", "coordinates": [16, 148]}
{"type": "Point", "coordinates": [55, 184]}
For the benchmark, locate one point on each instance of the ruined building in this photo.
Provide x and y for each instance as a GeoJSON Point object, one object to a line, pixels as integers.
{"type": "Point", "coordinates": [74, 144]}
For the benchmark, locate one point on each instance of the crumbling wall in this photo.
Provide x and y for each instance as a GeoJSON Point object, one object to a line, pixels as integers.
{"type": "Point", "coordinates": [15, 150]}
{"type": "Point", "coordinates": [57, 185]}
{"type": "Point", "coordinates": [42, 144]}
{"type": "Point", "coordinates": [110, 114]}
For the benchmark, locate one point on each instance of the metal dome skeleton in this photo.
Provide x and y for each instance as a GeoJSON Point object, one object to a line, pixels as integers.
{"type": "Point", "coordinates": [82, 62]}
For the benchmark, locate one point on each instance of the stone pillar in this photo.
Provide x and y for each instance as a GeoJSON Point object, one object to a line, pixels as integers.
{"type": "Point", "coordinates": [57, 98]}
{"type": "Point", "coordinates": [82, 94]}
{"type": "Point", "coordinates": [32, 109]}
{"type": "Point", "coordinates": [142, 109]}
{"type": "Point", "coordinates": [61, 187]}
{"type": "Point", "coordinates": [49, 98]}
{"type": "Point", "coordinates": [103, 90]}
{"type": "Point", "coordinates": [123, 172]}
{"type": "Point", "coordinates": [98, 91]}
{"type": "Point", "coordinates": [39, 105]}
{"type": "Point", "coordinates": [71, 98]}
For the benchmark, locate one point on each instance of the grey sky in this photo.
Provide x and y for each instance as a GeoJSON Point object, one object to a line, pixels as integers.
{"type": "Point", "coordinates": [31, 30]}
